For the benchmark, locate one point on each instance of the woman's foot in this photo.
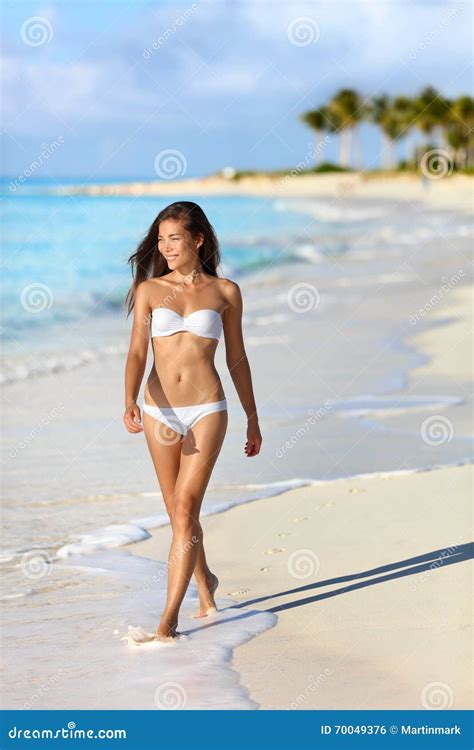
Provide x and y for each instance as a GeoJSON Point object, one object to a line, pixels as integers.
{"type": "Point", "coordinates": [207, 604]}
{"type": "Point", "coordinates": [166, 631]}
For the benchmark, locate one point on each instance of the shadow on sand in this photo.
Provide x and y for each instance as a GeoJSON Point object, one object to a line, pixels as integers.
{"type": "Point", "coordinates": [431, 561]}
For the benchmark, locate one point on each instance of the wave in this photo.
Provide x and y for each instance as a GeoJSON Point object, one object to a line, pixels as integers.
{"type": "Point", "coordinates": [15, 369]}
{"type": "Point", "coordinates": [137, 529]}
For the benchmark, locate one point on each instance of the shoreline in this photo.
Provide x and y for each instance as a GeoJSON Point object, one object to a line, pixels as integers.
{"type": "Point", "coordinates": [453, 192]}
{"type": "Point", "coordinates": [384, 647]}
{"type": "Point", "coordinates": [270, 576]}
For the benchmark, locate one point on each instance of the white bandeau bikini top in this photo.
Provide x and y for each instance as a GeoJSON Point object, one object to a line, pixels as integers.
{"type": "Point", "coordinates": [206, 323]}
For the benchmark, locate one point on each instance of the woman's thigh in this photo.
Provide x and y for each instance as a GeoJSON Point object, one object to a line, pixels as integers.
{"type": "Point", "coordinates": [199, 452]}
{"type": "Point", "coordinates": [165, 454]}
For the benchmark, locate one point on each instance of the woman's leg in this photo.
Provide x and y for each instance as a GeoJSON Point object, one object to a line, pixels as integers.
{"type": "Point", "coordinates": [199, 452]}
{"type": "Point", "coordinates": [165, 451]}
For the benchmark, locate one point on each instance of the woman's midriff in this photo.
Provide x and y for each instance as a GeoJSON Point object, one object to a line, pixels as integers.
{"type": "Point", "coordinates": [183, 373]}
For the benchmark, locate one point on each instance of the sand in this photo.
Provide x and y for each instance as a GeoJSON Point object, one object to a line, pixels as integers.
{"type": "Point", "coordinates": [370, 577]}
{"type": "Point", "coordinates": [401, 623]}
{"type": "Point", "coordinates": [451, 191]}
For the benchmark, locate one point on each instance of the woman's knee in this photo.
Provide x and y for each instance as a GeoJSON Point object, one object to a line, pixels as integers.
{"type": "Point", "coordinates": [185, 516]}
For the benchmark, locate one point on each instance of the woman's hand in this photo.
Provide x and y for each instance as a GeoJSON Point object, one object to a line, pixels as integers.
{"type": "Point", "coordinates": [254, 438]}
{"type": "Point", "coordinates": [132, 418]}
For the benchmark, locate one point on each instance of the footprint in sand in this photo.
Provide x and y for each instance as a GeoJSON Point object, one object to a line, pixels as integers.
{"type": "Point", "coordinates": [238, 592]}
{"type": "Point", "coordinates": [297, 520]}
{"type": "Point", "coordinates": [357, 489]}
{"type": "Point", "coordinates": [274, 551]}
{"type": "Point", "coordinates": [285, 533]}
{"type": "Point", "coordinates": [264, 570]}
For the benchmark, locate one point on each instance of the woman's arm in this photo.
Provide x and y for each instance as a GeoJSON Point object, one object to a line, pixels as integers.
{"type": "Point", "coordinates": [239, 367]}
{"type": "Point", "coordinates": [137, 356]}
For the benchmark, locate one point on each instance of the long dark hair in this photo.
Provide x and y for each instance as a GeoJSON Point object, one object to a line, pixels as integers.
{"type": "Point", "coordinates": [147, 262]}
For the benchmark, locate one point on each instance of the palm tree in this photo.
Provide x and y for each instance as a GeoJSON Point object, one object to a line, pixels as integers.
{"type": "Point", "coordinates": [406, 114]}
{"type": "Point", "coordinates": [316, 120]}
{"type": "Point", "coordinates": [345, 110]}
{"type": "Point", "coordinates": [393, 128]}
{"type": "Point", "coordinates": [460, 129]}
{"type": "Point", "coordinates": [378, 109]}
{"type": "Point", "coordinates": [430, 112]}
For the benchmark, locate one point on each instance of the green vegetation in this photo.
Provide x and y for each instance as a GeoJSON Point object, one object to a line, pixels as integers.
{"type": "Point", "coordinates": [321, 168]}
{"type": "Point", "coordinates": [415, 122]}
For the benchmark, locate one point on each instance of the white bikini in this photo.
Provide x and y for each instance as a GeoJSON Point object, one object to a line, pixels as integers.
{"type": "Point", "coordinates": [205, 323]}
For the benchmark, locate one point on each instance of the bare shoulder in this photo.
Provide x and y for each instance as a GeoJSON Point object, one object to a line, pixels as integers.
{"type": "Point", "coordinates": [230, 290]}
{"type": "Point", "coordinates": [143, 290]}
{"type": "Point", "coordinates": [145, 293]}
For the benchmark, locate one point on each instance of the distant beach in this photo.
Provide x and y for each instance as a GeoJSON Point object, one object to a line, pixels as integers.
{"type": "Point", "coordinates": [455, 192]}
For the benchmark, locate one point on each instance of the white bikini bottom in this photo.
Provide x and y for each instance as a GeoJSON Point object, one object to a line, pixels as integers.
{"type": "Point", "coordinates": [183, 418]}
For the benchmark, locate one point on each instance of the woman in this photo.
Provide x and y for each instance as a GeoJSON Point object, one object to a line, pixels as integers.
{"type": "Point", "coordinates": [177, 293]}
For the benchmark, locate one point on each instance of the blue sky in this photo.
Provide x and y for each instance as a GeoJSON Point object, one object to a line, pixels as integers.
{"type": "Point", "coordinates": [223, 84]}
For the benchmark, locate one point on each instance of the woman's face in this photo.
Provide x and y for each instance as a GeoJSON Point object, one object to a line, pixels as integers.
{"type": "Point", "coordinates": [176, 244]}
